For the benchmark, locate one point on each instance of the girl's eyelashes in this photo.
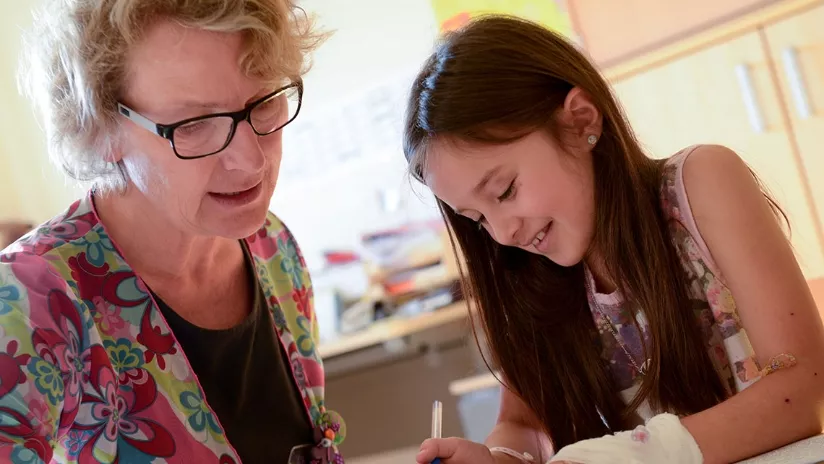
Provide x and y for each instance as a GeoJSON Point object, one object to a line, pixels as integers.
{"type": "Point", "coordinates": [509, 192]}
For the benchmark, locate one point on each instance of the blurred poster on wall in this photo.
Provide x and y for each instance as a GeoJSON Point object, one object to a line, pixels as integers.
{"type": "Point", "coordinates": [452, 14]}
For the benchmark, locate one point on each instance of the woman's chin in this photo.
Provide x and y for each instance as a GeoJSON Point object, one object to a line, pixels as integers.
{"type": "Point", "coordinates": [238, 227]}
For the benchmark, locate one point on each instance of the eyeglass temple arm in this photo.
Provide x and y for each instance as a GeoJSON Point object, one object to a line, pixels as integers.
{"type": "Point", "coordinates": [139, 119]}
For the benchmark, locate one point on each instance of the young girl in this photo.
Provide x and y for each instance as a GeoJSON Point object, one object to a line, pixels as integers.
{"type": "Point", "coordinates": [616, 292]}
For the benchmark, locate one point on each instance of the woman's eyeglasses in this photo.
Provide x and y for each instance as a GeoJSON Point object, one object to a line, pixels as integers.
{"type": "Point", "coordinates": [210, 134]}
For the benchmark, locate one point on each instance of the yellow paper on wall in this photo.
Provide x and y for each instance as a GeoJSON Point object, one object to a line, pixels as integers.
{"type": "Point", "coordinates": [452, 14]}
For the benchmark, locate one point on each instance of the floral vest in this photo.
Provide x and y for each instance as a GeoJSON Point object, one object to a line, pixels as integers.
{"type": "Point", "coordinates": [90, 371]}
{"type": "Point", "coordinates": [713, 305]}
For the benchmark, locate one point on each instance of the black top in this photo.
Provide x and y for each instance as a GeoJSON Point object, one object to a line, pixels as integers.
{"type": "Point", "coordinates": [247, 380]}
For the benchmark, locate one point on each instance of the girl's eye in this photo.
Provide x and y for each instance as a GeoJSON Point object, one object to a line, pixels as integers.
{"type": "Point", "coordinates": [508, 192]}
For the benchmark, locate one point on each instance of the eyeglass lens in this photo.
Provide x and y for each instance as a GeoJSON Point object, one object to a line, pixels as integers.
{"type": "Point", "coordinates": [211, 135]}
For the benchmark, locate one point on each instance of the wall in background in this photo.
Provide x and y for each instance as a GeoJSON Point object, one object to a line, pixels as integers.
{"type": "Point", "coordinates": [30, 187]}
{"type": "Point", "coordinates": [452, 14]}
{"type": "Point", "coordinates": [9, 199]}
{"type": "Point", "coordinates": [342, 157]}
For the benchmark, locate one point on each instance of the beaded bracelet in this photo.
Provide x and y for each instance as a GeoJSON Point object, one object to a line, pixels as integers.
{"type": "Point", "coordinates": [523, 457]}
{"type": "Point", "coordinates": [778, 362]}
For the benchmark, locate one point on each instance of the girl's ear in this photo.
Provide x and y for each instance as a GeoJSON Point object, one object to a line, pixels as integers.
{"type": "Point", "coordinates": [581, 119]}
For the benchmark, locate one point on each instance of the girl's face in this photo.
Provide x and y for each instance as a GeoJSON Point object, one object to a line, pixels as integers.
{"type": "Point", "coordinates": [530, 194]}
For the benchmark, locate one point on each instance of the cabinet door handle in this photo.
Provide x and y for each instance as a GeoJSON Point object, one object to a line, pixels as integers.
{"type": "Point", "coordinates": [742, 72]}
{"type": "Point", "coordinates": [796, 80]}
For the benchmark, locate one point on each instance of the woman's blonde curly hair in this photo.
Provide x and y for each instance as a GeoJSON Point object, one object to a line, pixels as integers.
{"type": "Point", "coordinates": [74, 61]}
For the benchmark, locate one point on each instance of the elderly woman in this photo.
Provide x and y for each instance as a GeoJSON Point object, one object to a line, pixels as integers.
{"type": "Point", "coordinates": [167, 316]}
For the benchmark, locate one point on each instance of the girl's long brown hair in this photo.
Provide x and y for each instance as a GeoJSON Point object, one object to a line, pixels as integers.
{"type": "Point", "coordinates": [506, 73]}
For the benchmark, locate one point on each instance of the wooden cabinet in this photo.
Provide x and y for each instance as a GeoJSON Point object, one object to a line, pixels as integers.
{"type": "Point", "coordinates": [615, 29]}
{"type": "Point", "coordinates": [797, 48]}
{"type": "Point", "coordinates": [727, 94]}
{"type": "Point", "coordinates": [698, 99]}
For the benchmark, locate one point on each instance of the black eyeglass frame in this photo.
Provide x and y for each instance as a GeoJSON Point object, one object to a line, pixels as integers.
{"type": "Point", "coordinates": [167, 130]}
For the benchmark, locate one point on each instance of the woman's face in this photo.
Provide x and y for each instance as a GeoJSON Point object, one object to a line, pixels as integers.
{"type": "Point", "coordinates": [176, 73]}
{"type": "Point", "coordinates": [529, 194]}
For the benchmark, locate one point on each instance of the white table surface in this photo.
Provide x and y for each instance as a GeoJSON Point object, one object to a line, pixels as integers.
{"type": "Point", "coordinates": [809, 451]}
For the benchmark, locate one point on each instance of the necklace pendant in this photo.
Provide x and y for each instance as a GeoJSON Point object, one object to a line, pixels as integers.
{"type": "Point", "coordinates": [642, 370]}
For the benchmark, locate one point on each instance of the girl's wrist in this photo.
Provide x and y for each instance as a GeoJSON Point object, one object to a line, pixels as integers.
{"type": "Point", "coordinates": [504, 455]}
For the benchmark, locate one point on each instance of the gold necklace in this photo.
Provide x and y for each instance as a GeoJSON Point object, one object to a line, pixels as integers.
{"type": "Point", "coordinates": [642, 368]}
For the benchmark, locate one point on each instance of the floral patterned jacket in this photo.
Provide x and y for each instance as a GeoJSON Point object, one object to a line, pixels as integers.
{"type": "Point", "coordinates": [90, 371]}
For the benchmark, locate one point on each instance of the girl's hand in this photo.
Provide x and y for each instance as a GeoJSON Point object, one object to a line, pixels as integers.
{"type": "Point", "coordinates": [454, 451]}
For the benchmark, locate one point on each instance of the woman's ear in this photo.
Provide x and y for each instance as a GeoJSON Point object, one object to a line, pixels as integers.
{"type": "Point", "coordinates": [114, 156]}
{"type": "Point", "coordinates": [581, 118]}
{"type": "Point", "coordinates": [117, 146]}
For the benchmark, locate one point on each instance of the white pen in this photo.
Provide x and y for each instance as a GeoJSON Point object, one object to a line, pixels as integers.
{"type": "Point", "coordinates": [437, 418]}
{"type": "Point", "coordinates": [437, 424]}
